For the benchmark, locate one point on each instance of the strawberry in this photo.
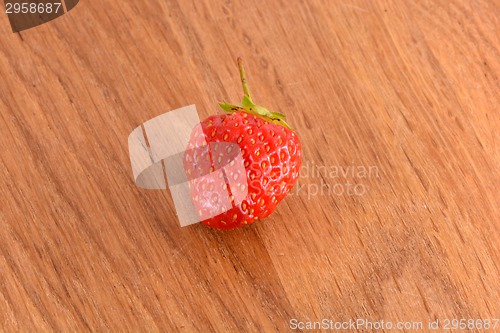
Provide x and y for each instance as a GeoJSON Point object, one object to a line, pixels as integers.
{"type": "Point", "coordinates": [256, 177]}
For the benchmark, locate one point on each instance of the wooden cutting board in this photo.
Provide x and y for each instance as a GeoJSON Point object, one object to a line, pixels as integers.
{"type": "Point", "coordinates": [395, 101]}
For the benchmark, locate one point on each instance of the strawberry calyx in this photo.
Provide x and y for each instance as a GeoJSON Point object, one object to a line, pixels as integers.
{"type": "Point", "coordinates": [248, 106]}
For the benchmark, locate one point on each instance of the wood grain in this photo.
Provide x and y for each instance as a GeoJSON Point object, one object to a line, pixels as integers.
{"type": "Point", "coordinates": [410, 89]}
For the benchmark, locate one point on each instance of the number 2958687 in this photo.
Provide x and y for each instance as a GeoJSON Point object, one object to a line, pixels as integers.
{"type": "Point", "coordinates": [32, 8]}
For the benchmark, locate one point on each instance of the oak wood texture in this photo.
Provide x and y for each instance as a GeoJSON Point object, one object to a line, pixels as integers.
{"type": "Point", "coordinates": [410, 88]}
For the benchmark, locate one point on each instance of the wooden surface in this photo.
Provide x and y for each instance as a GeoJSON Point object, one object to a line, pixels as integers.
{"type": "Point", "coordinates": [409, 89]}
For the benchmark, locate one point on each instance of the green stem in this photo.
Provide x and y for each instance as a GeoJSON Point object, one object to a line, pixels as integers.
{"type": "Point", "coordinates": [243, 78]}
{"type": "Point", "coordinates": [248, 106]}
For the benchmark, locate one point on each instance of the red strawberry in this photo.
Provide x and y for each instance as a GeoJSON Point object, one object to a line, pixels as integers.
{"type": "Point", "coordinates": [252, 184]}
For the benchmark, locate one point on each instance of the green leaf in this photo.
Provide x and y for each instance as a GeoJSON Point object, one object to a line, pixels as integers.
{"type": "Point", "coordinates": [262, 111]}
{"type": "Point", "coordinates": [278, 115]}
{"type": "Point", "coordinates": [282, 123]}
{"type": "Point", "coordinates": [231, 108]}
{"type": "Point", "coordinates": [247, 102]}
